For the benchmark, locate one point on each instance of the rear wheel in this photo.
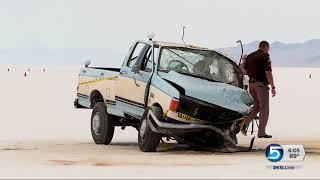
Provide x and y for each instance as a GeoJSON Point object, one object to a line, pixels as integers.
{"type": "Point", "coordinates": [102, 127]}
{"type": "Point", "coordinates": [147, 139]}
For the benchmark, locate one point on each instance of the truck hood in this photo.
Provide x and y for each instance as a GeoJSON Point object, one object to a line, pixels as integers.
{"type": "Point", "coordinates": [221, 94]}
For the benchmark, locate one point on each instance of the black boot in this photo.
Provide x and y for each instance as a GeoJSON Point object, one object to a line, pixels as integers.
{"type": "Point", "coordinates": [265, 136]}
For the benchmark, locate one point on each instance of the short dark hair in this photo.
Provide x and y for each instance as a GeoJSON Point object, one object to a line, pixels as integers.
{"type": "Point", "coordinates": [264, 44]}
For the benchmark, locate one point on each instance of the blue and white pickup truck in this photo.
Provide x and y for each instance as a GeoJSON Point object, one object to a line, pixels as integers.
{"type": "Point", "coordinates": [182, 92]}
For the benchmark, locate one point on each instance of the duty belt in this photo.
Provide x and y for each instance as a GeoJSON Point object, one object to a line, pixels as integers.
{"type": "Point", "coordinates": [253, 80]}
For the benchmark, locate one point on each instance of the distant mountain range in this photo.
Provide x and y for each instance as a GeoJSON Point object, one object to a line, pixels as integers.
{"type": "Point", "coordinates": [284, 54]}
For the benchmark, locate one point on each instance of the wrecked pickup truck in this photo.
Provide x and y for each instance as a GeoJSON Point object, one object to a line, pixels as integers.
{"type": "Point", "coordinates": [190, 94]}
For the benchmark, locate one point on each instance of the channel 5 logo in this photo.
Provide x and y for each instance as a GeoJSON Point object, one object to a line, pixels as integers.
{"type": "Point", "coordinates": [274, 152]}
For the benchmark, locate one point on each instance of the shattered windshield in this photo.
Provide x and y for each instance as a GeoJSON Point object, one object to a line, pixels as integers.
{"type": "Point", "coordinates": [206, 64]}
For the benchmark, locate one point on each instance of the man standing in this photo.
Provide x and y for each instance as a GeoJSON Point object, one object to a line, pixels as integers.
{"type": "Point", "coordinates": [258, 68]}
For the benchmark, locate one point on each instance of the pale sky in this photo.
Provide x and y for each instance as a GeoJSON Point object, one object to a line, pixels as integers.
{"type": "Point", "coordinates": [114, 24]}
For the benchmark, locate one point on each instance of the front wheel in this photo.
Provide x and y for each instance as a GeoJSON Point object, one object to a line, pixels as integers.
{"type": "Point", "coordinates": [147, 139]}
{"type": "Point", "coordinates": [102, 127]}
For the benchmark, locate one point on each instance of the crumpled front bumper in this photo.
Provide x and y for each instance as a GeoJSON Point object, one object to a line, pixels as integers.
{"type": "Point", "coordinates": [175, 129]}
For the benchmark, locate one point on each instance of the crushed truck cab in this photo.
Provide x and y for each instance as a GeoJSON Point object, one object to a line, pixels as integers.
{"type": "Point", "coordinates": [190, 94]}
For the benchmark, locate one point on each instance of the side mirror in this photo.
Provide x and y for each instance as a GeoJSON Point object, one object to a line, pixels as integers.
{"type": "Point", "coordinates": [136, 68]}
{"type": "Point", "coordinates": [87, 63]}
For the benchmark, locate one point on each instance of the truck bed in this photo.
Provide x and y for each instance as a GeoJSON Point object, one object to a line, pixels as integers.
{"type": "Point", "coordinates": [99, 80]}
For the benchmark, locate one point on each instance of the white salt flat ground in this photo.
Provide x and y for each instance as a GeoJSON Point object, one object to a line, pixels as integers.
{"type": "Point", "coordinates": [42, 135]}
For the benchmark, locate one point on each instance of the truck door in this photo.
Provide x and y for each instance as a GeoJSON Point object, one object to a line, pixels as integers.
{"type": "Point", "coordinates": [132, 86]}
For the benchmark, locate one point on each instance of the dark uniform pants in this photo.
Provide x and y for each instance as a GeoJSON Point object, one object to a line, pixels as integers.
{"type": "Point", "coordinates": [260, 94]}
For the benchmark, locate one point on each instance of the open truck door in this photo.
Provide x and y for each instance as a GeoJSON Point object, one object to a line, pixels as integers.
{"type": "Point", "coordinates": [134, 76]}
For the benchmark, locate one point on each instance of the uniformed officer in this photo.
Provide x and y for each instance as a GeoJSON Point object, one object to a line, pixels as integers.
{"type": "Point", "coordinates": [258, 68]}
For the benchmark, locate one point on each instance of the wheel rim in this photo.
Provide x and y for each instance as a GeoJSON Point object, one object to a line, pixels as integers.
{"type": "Point", "coordinates": [143, 128]}
{"type": "Point", "coordinates": [96, 124]}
